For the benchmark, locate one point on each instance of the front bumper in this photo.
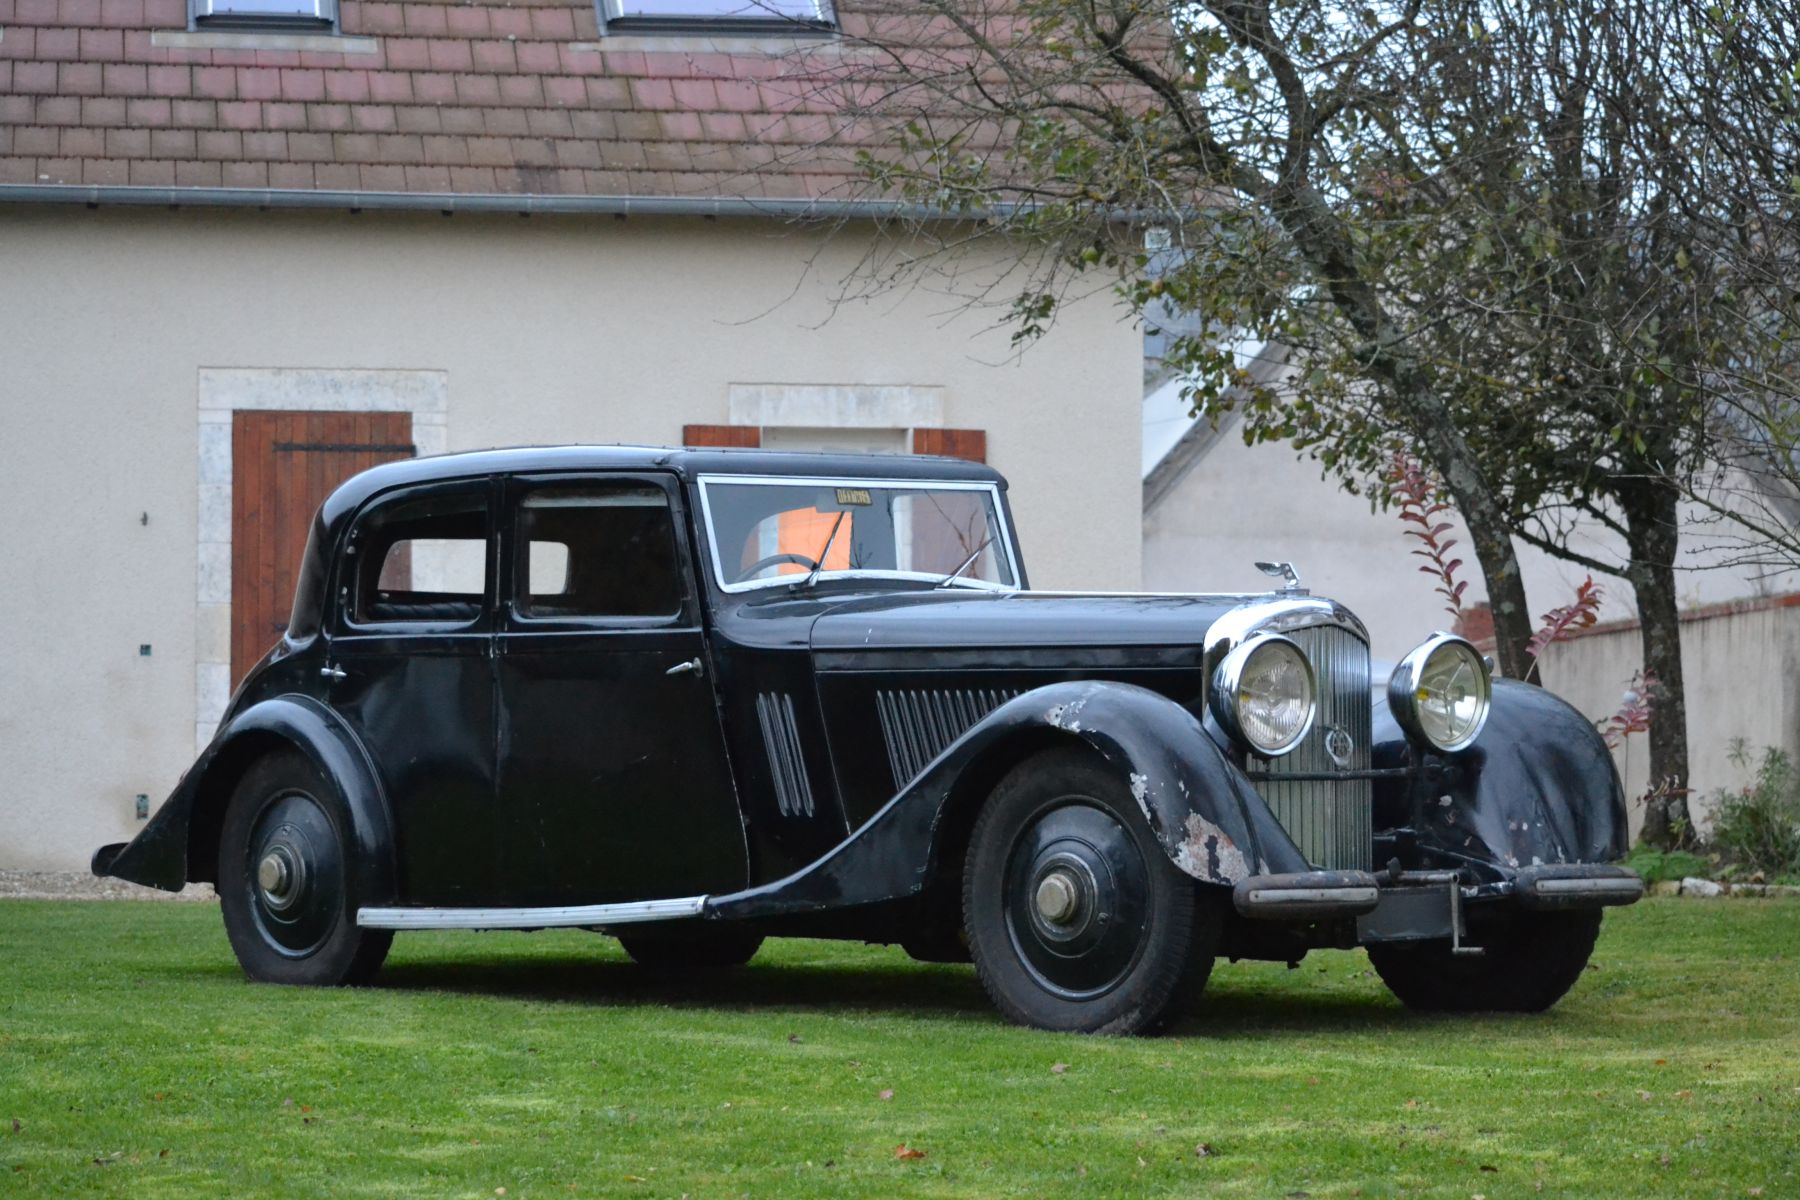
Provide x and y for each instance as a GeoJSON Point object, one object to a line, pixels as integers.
{"type": "Point", "coordinates": [1420, 905]}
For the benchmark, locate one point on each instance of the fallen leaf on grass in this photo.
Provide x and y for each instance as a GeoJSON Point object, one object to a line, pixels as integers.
{"type": "Point", "coordinates": [793, 1037]}
{"type": "Point", "coordinates": [1662, 1062]}
{"type": "Point", "coordinates": [1058, 1068]}
{"type": "Point", "coordinates": [905, 1151]}
{"type": "Point", "coordinates": [162, 1154]}
{"type": "Point", "coordinates": [885, 1094]}
{"type": "Point", "coordinates": [1204, 1150]}
{"type": "Point", "coordinates": [1412, 1104]}
{"type": "Point", "coordinates": [1490, 1169]}
{"type": "Point", "coordinates": [1312, 1081]}
{"type": "Point", "coordinates": [634, 1179]}
{"type": "Point", "coordinates": [1684, 1094]}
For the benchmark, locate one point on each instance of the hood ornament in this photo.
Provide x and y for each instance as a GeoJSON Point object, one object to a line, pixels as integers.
{"type": "Point", "coordinates": [1290, 578]}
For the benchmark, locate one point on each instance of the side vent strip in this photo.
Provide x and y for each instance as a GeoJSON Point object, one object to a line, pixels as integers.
{"type": "Point", "coordinates": [920, 725]}
{"type": "Point", "coordinates": [781, 741]}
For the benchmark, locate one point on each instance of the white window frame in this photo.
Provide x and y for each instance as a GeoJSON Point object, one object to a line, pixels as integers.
{"type": "Point", "coordinates": [762, 15]}
{"type": "Point", "coordinates": [221, 14]}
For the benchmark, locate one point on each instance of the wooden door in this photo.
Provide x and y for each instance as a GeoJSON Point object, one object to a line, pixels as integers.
{"type": "Point", "coordinates": [283, 465]}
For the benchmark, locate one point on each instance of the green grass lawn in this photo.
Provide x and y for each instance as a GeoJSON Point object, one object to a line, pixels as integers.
{"type": "Point", "coordinates": [135, 1060]}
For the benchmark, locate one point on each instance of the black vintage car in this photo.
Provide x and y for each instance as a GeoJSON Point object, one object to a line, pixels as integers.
{"type": "Point", "coordinates": [694, 698]}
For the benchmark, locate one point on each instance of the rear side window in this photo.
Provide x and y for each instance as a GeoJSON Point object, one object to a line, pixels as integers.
{"type": "Point", "coordinates": [422, 558]}
{"type": "Point", "coordinates": [597, 550]}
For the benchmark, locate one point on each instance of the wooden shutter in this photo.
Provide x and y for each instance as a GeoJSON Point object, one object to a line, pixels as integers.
{"type": "Point", "coordinates": [721, 435]}
{"type": "Point", "coordinates": [957, 443]}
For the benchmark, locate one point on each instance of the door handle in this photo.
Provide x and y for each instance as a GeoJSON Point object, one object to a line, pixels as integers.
{"type": "Point", "coordinates": [682, 668]}
{"type": "Point", "coordinates": [332, 673]}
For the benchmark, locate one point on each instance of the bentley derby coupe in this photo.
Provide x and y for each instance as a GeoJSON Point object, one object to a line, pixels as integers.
{"type": "Point", "coordinates": [694, 698]}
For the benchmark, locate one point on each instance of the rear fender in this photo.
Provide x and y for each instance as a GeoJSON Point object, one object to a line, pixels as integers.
{"type": "Point", "coordinates": [180, 843]}
{"type": "Point", "coordinates": [1206, 816]}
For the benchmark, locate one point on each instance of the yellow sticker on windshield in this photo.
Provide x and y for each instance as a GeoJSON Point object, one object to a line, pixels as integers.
{"type": "Point", "coordinates": [854, 496]}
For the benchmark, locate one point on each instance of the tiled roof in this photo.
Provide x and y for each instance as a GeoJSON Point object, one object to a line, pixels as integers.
{"type": "Point", "coordinates": [416, 96]}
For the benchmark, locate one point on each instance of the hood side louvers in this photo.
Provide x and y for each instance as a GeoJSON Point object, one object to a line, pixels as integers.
{"type": "Point", "coordinates": [919, 724]}
{"type": "Point", "coordinates": [781, 741]}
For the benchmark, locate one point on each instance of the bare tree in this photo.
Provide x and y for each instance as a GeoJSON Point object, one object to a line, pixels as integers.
{"type": "Point", "coordinates": [1514, 234]}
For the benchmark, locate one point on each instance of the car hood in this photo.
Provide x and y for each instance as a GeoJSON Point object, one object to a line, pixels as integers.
{"type": "Point", "coordinates": [966, 618]}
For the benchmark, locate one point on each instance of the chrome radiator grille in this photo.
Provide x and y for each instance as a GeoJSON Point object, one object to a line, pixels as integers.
{"type": "Point", "coordinates": [1330, 820]}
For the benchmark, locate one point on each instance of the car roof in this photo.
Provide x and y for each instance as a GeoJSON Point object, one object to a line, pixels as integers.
{"type": "Point", "coordinates": [688, 463]}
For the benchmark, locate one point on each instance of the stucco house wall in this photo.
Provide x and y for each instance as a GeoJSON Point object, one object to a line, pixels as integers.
{"type": "Point", "coordinates": [131, 334]}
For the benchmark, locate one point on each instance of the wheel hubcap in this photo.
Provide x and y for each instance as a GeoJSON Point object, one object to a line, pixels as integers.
{"type": "Point", "coordinates": [296, 874]}
{"type": "Point", "coordinates": [279, 877]}
{"type": "Point", "coordinates": [1077, 896]}
{"type": "Point", "coordinates": [1059, 898]}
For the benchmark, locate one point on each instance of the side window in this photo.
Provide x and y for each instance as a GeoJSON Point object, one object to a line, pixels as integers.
{"type": "Point", "coordinates": [597, 550]}
{"type": "Point", "coordinates": [422, 558]}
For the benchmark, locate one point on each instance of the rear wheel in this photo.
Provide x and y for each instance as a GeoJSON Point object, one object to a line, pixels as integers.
{"type": "Point", "coordinates": [692, 949]}
{"type": "Point", "coordinates": [1076, 919]}
{"type": "Point", "coordinates": [284, 879]}
{"type": "Point", "coordinates": [1528, 963]}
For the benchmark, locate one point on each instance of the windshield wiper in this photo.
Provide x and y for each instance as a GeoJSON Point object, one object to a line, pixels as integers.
{"type": "Point", "coordinates": [819, 562]}
{"type": "Point", "coordinates": [968, 562]}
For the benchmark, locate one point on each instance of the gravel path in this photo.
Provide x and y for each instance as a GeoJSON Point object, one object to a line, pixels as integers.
{"type": "Point", "coordinates": [77, 885]}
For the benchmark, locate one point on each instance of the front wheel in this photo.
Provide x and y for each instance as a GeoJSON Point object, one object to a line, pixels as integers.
{"type": "Point", "coordinates": [1076, 919]}
{"type": "Point", "coordinates": [1527, 964]}
{"type": "Point", "coordinates": [284, 879]}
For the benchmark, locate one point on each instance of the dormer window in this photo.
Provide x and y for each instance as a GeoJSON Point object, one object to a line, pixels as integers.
{"type": "Point", "coordinates": [716, 14]}
{"type": "Point", "coordinates": [301, 15]}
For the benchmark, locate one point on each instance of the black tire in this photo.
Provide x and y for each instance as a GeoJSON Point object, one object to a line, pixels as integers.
{"type": "Point", "coordinates": [1132, 941]}
{"type": "Point", "coordinates": [1529, 963]}
{"type": "Point", "coordinates": [713, 949]}
{"type": "Point", "coordinates": [300, 929]}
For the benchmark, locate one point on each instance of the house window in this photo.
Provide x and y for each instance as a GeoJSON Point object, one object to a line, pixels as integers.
{"type": "Point", "coordinates": [711, 14]}
{"type": "Point", "coordinates": [266, 14]}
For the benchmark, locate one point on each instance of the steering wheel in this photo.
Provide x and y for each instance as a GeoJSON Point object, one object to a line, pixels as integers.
{"type": "Point", "coordinates": [763, 564]}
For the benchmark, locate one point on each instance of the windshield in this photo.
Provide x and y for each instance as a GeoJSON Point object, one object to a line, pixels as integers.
{"type": "Point", "coordinates": [780, 531]}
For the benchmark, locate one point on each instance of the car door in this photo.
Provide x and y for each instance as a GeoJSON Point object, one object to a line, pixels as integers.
{"type": "Point", "coordinates": [612, 766]}
{"type": "Point", "coordinates": [411, 670]}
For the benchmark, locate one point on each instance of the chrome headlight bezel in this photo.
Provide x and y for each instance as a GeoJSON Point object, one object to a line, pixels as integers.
{"type": "Point", "coordinates": [1225, 697]}
{"type": "Point", "coordinates": [1405, 682]}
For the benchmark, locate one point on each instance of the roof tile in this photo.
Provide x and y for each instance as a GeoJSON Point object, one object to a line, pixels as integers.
{"type": "Point", "coordinates": [244, 174]}
{"type": "Point", "coordinates": [78, 79]}
{"type": "Point", "coordinates": [326, 118]}
{"type": "Point", "coordinates": [198, 174]}
{"type": "Point", "coordinates": [227, 145]}
{"type": "Point", "coordinates": [21, 42]}
{"type": "Point", "coordinates": [372, 118]}
{"type": "Point", "coordinates": [260, 83]}
{"type": "Point", "coordinates": [464, 94]}
{"type": "Point", "coordinates": [106, 172]}
{"type": "Point", "coordinates": [177, 143]}
{"type": "Point", "coordinates": [122, 14]}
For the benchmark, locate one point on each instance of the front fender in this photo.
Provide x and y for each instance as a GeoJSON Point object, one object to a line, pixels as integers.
{"type": "Point", "coordinates": [1538, 787]}
{"type": "Point", "coordinates": [1206, 816]}
{"type": "Point", "coordinates": [165, 854]}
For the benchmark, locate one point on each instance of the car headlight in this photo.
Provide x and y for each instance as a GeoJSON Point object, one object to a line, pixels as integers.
{"type": "Point", "coordinates": [1439, 693]}
{"type": "Point", "coordinates": [1263, 694]}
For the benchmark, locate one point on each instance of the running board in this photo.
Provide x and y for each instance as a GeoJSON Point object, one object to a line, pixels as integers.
{"type": "Point", "coordinates": [633, 913]}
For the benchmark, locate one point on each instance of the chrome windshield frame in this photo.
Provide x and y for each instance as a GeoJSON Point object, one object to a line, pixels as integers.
{"type": "Point", "coordinates": [1004, 542]}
